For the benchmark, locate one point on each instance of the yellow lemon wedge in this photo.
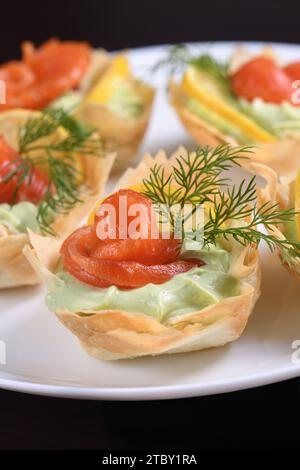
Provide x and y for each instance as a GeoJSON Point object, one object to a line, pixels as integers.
{"type": "Point", "coordinates": [205, 90]}
{"type": "Point", "coordinates": [110, 81]}
{"type": "Point", "coordinates": [137, 187]}
{"type": "Point", "coordinates": [10, 123]}
{"type": "Point", "coordinates": [297, 203]}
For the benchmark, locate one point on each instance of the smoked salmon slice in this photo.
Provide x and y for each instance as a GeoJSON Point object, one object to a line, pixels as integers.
{"type": "Point", "coordinates": [125, 263]}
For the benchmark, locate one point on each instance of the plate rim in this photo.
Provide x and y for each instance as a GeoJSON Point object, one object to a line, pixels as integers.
{"type": "Point", "coordinates": [166, 391]}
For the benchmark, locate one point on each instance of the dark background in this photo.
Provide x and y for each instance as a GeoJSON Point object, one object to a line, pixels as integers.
{"type": "Point", "coordinates": [116, 24]}
{"type": "Point", "coordinates": [263, 418]}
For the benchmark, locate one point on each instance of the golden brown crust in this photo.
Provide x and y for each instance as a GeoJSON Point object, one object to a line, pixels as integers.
{"type": "Point", "coordinates": [115, 334]}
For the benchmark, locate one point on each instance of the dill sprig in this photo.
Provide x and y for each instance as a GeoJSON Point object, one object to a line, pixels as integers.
{"type": "Point", "coordinates": [239, 203]}
{"type": "Point", "coordinates": [176, 58]}
{"type": "Point", "coordinates": [233, 212]}
{"type": "Point", "coordinates": [194, 180]}
{"type": "Point", "coordinates": [179, 56]}
{"type": "Point", "coordinates": [58, 157]}
{"type": "Point", "coordinates": [79, 137]}
{"type": "Point", "coordinates": [195, 177]}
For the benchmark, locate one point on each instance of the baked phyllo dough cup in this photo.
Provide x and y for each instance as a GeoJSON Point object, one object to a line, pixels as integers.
{"type": "Point", "coordinates": [14, 267]}
{"type": "Point", "coordinates": [116, 334]}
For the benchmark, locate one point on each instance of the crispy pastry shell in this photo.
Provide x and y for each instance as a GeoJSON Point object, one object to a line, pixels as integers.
{"type": "Point", "coordinates": [116, 334]}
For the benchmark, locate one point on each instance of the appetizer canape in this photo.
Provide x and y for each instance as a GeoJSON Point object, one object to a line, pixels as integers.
{"type": "Point", "coordinates": [51, 168]}
{"type": "Point", "coordinates": [250, 100]}
{"type": "Point", "coordinates": [100, 91]}
{"type": "Point", "coordinates": [126, 296]}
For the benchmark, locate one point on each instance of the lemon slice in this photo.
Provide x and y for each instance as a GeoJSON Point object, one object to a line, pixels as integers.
{"type": "Point", "coordinates": [10, 123]}
{"type": "Point", "coordinates": [137, 187]}
{"type": "Point", "coordinates": [110, 81]}
{"type": "Point", "coordinates": [297, 203]}
{"type": "Point", "coordinates": [206, 90]}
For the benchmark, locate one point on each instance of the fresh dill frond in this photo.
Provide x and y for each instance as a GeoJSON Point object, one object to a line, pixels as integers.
{"type": "Point", "coordinates": [23, 170]}
{"type": "Point", "coordinates": [239, 203]}
{"type": "Point", "coordinates": [78, 135]}
{"type": "Point", "coordinates": [63, 177]}
{"type": "Point", "coordinates": [176, 58]}
{"type": "Point", "coordinates": [57, 156]}
{"type": "Point", "coordinates": [232, 212]}
{"type": "Point", "coordinates": [195, 178]}
{"type": "Point", "coordinates": [179, 56]}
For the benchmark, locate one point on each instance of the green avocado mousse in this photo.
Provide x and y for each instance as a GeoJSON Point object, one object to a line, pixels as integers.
{"type": "Point", "coordinates": [124, 101]}
{"type": "Point", "coordinates": [127, 293]}
{"type": "Point", "coordinates": [183, 293]}
{"type": "Point", "coordinates": [19, 217]}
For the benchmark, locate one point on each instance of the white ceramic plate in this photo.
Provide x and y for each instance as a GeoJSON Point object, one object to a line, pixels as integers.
{"type": "Point", "coordinates": [43, 357]}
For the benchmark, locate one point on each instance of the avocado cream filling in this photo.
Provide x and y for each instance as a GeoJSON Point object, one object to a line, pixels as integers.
{"type": "Point", "coordinates": [184, 293]}
{"type": "Point", "coordinates": [275, 118]}
{"type": "Point", "coordinates": [126, 102]}
{"type": "Point", "coordinates": [69, 101]}
{"type": "Point", "coordinates": [223, 125]}
{"type": "Point", "coordinates": [21, 216]}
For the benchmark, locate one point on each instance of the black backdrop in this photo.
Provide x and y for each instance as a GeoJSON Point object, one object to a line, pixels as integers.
{"type": "Point", "coordinates": [116, 24]}
{"type": "Point", "coordinates": [268, 417]}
